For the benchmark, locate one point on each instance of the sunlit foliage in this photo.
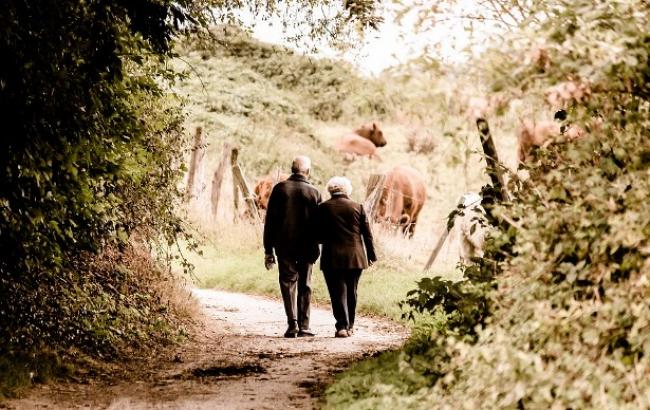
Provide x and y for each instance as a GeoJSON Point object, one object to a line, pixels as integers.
{"type": "Point", "coordinates": [568, 321]}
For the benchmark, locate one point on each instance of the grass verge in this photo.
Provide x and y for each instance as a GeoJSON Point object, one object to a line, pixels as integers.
{"type": "Point", "coordinates": [232, 259]}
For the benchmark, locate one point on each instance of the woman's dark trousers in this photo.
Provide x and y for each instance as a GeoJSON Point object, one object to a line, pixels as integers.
{"type": "Point", "coordinates": [342, 286]}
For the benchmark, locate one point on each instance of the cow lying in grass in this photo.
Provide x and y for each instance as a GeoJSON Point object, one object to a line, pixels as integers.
{"type": "Point", "coordinates": [362, 142]}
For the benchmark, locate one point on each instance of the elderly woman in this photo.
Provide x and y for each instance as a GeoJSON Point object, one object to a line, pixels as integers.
{"type": "Point", "coordinates": [344, 231]}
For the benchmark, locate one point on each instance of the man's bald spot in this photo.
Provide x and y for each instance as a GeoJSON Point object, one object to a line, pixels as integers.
{"type": "Point", "coordinates": [301, 165]}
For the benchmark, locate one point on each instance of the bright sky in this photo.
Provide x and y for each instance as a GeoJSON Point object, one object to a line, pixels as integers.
{"type": "Point", "coordinates": [395, 43]}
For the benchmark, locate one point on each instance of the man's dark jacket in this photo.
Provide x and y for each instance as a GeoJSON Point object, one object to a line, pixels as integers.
{"type": "Point", "coordinates": [344, 231]}
{"type": "Point", "coordinates": [290, 219]}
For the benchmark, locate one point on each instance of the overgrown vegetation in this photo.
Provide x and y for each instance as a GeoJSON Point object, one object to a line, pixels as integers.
{"type": "Point", "coordinates": [333, 88]}
{"type": "Point", "coordinates": [566, 324]}
{"type": "Point", "coordinates": [237, 98]}
{"type": "Point", "coordinates": [92, 160]}
{"type": "Point", "coordinates": [92, 144]}
{"type": "Point", "coordinates": [269, 100]}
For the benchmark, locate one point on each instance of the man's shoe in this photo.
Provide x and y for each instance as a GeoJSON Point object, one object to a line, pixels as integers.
{"type": "Point", "coordinates": [341, 333]}
{"type": "Point", "coordinates": [350, 331]}
{"type": "Point", "coordinates": [306, 333]}
{"type": "Point", "coordinates": [291, 332]}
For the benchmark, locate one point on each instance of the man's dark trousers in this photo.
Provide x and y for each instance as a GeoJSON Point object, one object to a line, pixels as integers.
{"type": "Point", "coordinates": [295, 286]}
{"type": "Point", "coordinates": [342, 287]}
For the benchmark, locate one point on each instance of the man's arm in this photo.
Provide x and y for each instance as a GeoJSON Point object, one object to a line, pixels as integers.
{"type": "Point", "coordinates": [271, 220]}
{"type": "Point", "coordinates": [366, 233]}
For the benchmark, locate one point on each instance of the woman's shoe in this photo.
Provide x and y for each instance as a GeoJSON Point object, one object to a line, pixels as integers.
{"type": "Point", "coordinates": [341, 333]}
{"type": "Point", "coordinates": [306, 333]}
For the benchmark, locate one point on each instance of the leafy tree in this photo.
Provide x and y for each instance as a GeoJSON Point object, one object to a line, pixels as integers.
{"type": "Point", "coordinates": [91, 142]}
{"type": "Point", "coordinates": [566, 324]}
{"type": "Point", "coordinates": [93, 150]}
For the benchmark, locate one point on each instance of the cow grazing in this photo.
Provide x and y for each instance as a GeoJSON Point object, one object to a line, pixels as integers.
{"type": "Point", "coordinates": [536, 134]}
{"type": "Point", "coordinates": [402, 198]}
{"type": "Point", "coordinates": [363, 141]}
{"type": "Point", "coordinates": [264, 186]}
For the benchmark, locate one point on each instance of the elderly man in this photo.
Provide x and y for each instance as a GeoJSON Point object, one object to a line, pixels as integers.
{"type": "Point", "coordinates": [289, 230]}
{"type": "Point", "coordinates": [348, 248]}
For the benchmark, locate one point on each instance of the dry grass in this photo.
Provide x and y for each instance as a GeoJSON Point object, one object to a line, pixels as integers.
{"type": "Point", "coordinates": [232, 259]}
{"type": "Point", "coordinates": [444, 147]}
{"type": "Point", "coordinates": [233, 254]}
{"type": "Point", "coordinates": [420, 143]}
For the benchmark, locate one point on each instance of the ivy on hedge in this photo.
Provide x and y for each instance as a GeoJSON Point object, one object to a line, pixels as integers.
{"type": "Point", "coordinates": [91, 144]}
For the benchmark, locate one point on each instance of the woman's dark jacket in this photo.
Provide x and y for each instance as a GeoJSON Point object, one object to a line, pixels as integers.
{"type": "Point", "coordinates": [344, 231]}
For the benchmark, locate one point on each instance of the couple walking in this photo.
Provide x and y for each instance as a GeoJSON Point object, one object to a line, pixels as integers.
{"type": "Point", "coordinates": [296, 223]}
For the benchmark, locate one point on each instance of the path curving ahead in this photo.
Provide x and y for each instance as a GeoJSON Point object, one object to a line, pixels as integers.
{"type": "Point", "coordinates": [239, 361]}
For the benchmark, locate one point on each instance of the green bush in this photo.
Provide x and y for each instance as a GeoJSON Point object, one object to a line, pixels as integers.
{"type": "Point", "coordinates": [567, 324]}
{"type": "Point", "coordinates": [330, 88]}
{"type": "Point", "coordinates": [92, 144]}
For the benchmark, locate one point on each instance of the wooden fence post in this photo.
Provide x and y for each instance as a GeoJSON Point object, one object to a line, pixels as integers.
{"type": "Point", "coordinates": [240, 181]}
{"type": "Point", "coordinates": [495, 172]}
{"type": "Point", "coordinates": [198, 152]}
{"type": "Point", "coordinates": [494, 168]}
{"type": "Point", "coordinates": [434, 254]}
{"type": "Point", "coordinates": [217, 179]}
{"type": "Point", "coordinates": [276, 178]}
{"type": "Point", "coordinates": [373, 194]}
{"type": "Point", "coordinates": [235, 187]}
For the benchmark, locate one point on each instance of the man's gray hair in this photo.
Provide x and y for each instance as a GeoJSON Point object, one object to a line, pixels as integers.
{"type": "Point", "coordinates": [339, 185]}
{"type": "Point", "coordinates": [301, 165]}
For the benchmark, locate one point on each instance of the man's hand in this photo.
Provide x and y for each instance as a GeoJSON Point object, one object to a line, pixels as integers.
{"type": "Point", "coordinates": [269, 261]}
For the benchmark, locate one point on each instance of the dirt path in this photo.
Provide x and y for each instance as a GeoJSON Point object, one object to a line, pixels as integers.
{"type": "Point", "coordinates": [240, 361]}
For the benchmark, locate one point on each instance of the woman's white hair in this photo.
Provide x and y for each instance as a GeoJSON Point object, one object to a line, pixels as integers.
{"type": "Point", "coordinates": [339, 185]}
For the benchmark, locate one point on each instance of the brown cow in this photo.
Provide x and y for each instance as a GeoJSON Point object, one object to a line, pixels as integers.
{"type": "Point", "coordinates": [363, 141]}
{"type": "Point", "coordinates": [402, 198]}
{"type": "Point", "coordinates": [536, 134]}
{"type": "Point", "coordinates": [263, 188]}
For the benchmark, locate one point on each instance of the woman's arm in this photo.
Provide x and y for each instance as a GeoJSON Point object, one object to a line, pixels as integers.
{"type": "Point", "coordinates": [366, 233]}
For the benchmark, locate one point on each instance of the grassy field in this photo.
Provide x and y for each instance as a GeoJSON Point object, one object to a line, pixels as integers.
{"type": "Point", "coordinates": [233, 260]}
{"type": "Point", "coordinates": [247, 95]}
